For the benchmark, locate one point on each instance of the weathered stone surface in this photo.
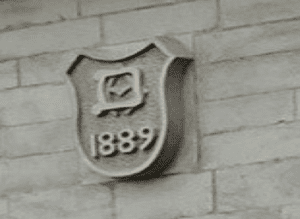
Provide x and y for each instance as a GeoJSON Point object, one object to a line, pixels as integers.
{"type": "Point", "coordinates": [19, 13]}
{"type": "Point", "coordinates": [298, 103]}
{"type": "Point", "coordinates": [167, 197]}
{"type": "Point", "coordinates": [179, 18]}
{"type": "Point", "coordinates": [187, 40]}
{"type": "Point", "coordinates": [40, 138]}
{"type": "Point", "coordinates": [88, 176]}
{"type": "Point", "coordinates": [91, 7]}
{"type": "Point", "coordinates": [50, 38]}
{"type": "Point", "coordinates": [3, 176]}
{"type": "Point", "coordinates": [250, 41]}
{"type": "Point", "coordinates": [34, 104]}
{"type": "Point", "coordinates": [1, 144]}
{"type": "Point", "coordinates": [236, 13]}
{"type": "Point", "coordinates": [249, 76]}
{"type": "Point", "coordinates": [258, 186]}
{"type": "Point", "coordinates": [246, 111]}
{"type": "Point", "coordinates": [250, 214]}
{"type": "Point", "coordinates": [89, 202]}
{"type": "Point", "coordinates": [291, 212]}
{"type": "Point", "coordinates": [39, 172]}
{"type": "Point", "coordinates": [47, 68]}
{"type": "Point", "coordinates": [249, 146]}
{"type": "Point", "coordinates": [8, 75]}
{"type": "Point", "coordinates": [3, 206]}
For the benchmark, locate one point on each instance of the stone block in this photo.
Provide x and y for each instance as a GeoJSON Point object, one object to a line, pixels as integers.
{"type": "Point", "coordinates": [51, 38]}
{"type": "Point", "coordinates": [8, 75]}
{"type": "Point", "coordinates": [185, 17]}
{"type": "Point", "coordinates": [263, 39]}
{"type": "Point", "coordinates": [39, 138]}
{"type": "Point", "coordinates": [35, 104]}
{"type": "Point", "coordinates": [92, 7]}
{"type": "Point", "coordinates": [298, 103]}
{"type": "Point", "coordinates": [250, 146]}
{"type": "Point", "coordinates": [1, 144]}
{"type": "Point", "coordinates": [291, 212]}
{"type": "Point", "coordinates": [249, 76]}
{"type": "Point", "coordinates": [88, 202]}
{"type": "Point", "coordinates": [88, 176]}
{"type": "Point", "coordinates": [166, 197]}
{"type": "Point", "coordinates": [46, 68]}
{"type": "Point", "coordinates": [20, 13]}
{"type": "Point", "coordinates": [40, 172]}
{"type": "Point", "coordinates": [250, 214]}
{"type": "Point", "coordinates": [258, 186]}
{"type": "Point", "coordinates": [244, 12]}
{"type": "Point", "coordinates": [255, 110]}
{"type": "Point", "coordinates": [3, 175]}
{"type": "Point", "coordinates": [186, 40]}
{"type": "Point", "coordinates": [3, 206]}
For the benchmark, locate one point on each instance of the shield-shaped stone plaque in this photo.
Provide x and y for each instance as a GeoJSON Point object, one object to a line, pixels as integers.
{"type": "Point", "coordinates": [130, 108]}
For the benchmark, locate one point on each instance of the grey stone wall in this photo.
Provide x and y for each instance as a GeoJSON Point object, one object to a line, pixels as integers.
{"type": "Point", "coordinates": [243, 156]}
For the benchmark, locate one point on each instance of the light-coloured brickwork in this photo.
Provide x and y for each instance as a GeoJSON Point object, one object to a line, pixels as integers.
{"type": "Point", "coordinates": [256, 40]}
{"type": "Point", "coordinates": [1, 144]}
{"type": "Point", "coordinates": [16, 14]}
{"type": "Point", "coordinates": [255, 110]}
{"type": "Point", "coordinates": [55, 37]}
{"type": "Point", "coordinates": [3, 175]}
{"type": "Point", "coordinates": [8, 75]}
{"type": "Point", "coordinates": [298, 103]}
{"type": "Point", "coordinates": [168, 197]}
{"type": "Point", "coordinates": [92, 7]}
{"type": "Point", "coordinates": [291, 212]}
{"type": "Point", "coordinates": [40, 172]}
{"type": "Point", "coordinates": [88, 176]}
{"type": "Point", "coordinates": [258, 186]}
{"type": "Point", "coordinates": [47, 68]}
{"type": "Point", "coordinates": [250, 146]}
{"type": "Point", "coordinates": [249, 76]}
{"type": "Point", "coordinates": [243, 12]}
{"type": "Point", "coordinates": [88, 202]}
{"type": "Point", "coordinates": [3, 206]}
{"type": "Point", "coordinates": [35, 104]}
{"type": "Point", "coordinates": [253, 214]}
{"type": "Point", "coordinates": [240, 155]}
{"type": "Point", "coordinates": [144, 24]}
{"type": "Point", "coordinates": [39, 138]}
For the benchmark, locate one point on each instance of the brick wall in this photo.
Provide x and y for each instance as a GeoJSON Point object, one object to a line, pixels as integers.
{"type": "Point", "coordinates": [247, 93]}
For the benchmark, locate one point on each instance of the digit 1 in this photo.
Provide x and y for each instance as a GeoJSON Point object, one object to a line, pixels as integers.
{"type": "Point", "coordinates": [147, 134]}
{"type": "Point", "coordinates": [94, 152]}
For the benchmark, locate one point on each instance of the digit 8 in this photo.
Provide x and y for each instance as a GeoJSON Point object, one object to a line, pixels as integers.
{"type": "Point", "coordinates": [107, 147]}
{"type": "Point", "coordinates": [126, 144]}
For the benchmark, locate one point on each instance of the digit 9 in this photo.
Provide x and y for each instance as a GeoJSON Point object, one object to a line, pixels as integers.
{"type": "Point", "coordinates": [147, 134]}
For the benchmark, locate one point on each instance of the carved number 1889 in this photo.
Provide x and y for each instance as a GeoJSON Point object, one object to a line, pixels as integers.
{"type": "Point", "coordinates": [107, 144]}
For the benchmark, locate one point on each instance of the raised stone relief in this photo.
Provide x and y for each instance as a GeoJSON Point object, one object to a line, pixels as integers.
{"type": "Point", "coordinates": [118, 90]}
{"type": "Point", "coordinates": [130, 109]}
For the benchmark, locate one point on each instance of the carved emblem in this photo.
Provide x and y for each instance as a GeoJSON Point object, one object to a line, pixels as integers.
{"type": "Point", "coordinates": [114, 88]}
{"type": "Point", "coordinates": [130, 109]}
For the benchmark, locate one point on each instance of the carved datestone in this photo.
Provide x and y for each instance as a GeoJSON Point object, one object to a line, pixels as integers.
{"type": "Point", "coordinates": [130, 109]}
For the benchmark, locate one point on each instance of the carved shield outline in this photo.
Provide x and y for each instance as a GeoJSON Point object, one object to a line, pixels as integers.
{"type": "Point", "coordinates": [177, 55]}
